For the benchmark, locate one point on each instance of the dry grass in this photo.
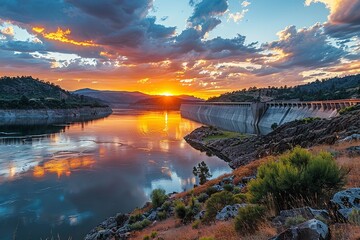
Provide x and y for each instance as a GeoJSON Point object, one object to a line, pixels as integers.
{"type": "Point", "coordinates": [171, 229]}
{"type": "Point", "coordinates": [239, 173]}
{"type": "Point", "coordinates": [342, 231]}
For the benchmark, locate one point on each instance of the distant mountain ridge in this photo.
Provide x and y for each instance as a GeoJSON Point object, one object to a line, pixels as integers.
{"type": "Point", "coordinates": [329, 89]}
{"type": "Point", "coordinates": [28, 93]}
{"type": "Point", "coordinates": [125, 98]}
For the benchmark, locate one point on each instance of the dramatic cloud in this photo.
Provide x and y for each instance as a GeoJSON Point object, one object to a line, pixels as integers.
{"type": "Point", "coordinates": [306, 47]}
{"type": "Point", "coordinates": [121, 43]}
{"type": "Point", "coordinates": [344, 19]}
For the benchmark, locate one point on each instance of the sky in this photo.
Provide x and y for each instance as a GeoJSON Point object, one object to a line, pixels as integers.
{"type": "Point", "coordinates": [196, 47]}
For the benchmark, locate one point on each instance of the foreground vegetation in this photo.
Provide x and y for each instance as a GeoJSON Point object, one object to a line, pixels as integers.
{"type": "Point", "coordinates": [297, 178]}
{"type": "Point", "coordinates": [28, 93]}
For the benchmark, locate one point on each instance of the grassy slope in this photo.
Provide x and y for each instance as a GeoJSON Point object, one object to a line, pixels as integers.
{"type": "Point", "coordinates": [172, 228]}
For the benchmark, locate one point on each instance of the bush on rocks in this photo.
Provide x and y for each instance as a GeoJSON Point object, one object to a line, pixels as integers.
{"type": "Point", "coordinates": [249, 218]}
{"type": "Point", "coordinates": [216, 203]}
{"type": "Point", "coordinates": [298, 178]}
{"type": "Point", "coordinates": [140, 225]}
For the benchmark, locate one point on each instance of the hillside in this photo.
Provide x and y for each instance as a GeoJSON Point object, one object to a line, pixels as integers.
{"type": "Point", "coordinates": [28, 93]}
{"type": "Point", "coordinates": [163, 102]}
{"type": "Point", "coordinates": [334, 88]}
{"type": "Point", "coordinates": [128, 99]}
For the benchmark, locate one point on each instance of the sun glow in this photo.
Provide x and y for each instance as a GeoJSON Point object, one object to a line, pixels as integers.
{"type": "Point", "coordinates": [168, 94]}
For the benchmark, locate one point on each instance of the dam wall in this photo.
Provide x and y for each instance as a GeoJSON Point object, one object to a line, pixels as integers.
{"type": "Point", "coordinates": [257, 118]}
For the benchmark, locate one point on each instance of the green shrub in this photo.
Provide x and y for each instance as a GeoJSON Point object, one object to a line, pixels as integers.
{"type": "Point", "coordinates": [187, 213]}
{"type": "Point", "coordinates": [202, 197]}
{"type": "Point", "coordinates": [293, 221]}
{"type": "Point", "coordinates": [248, 219]}
{"type": "Point", "coordinates": [309, 120]}
{"type": "Point", "coordinates": [135, 218]}
{"type": "Point", "coordinates": [354, 217]}
{"type": "Point", "coordinates": [140, 225]}
{"type": "Point", "coordinates": [146, 237]}
{"type": "Point", "coordinates": [228, 187]}
{"type": "Point", "coordinates": [161, 215]}
{"type": "Point", "coordinates": [236, 190]}
{"type": "Point", "coordinates": [211, 190]}
{"type": "Point", "coordinates": [347, 109]}
{"type": "Point", "coordinates": [166, 206]}
{"type": "Point", "coordinates": [207, 238]}
{"type": "Point", "coordinates": [274, 126]}
{"type": "Point", "coordinates": [240, 198]}
{"type": "Point", "coordinates": [158, 197]}
{"type": "Point", "coordinates": [196, 224]}
{"type": "Point", "coordinates": [180, 210]}
{"type": "Point", "coordinates": [298, 178]}
{"type": "Point", "coordinates": [216, 203]}
{"type": "Point", "coordinates": [153, 234]}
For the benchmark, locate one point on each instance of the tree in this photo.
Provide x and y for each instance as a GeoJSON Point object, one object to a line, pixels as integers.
{"type": "Point", "coordinates": [158, 197]}
{"type": "Point", "coordinates": [202, 172]}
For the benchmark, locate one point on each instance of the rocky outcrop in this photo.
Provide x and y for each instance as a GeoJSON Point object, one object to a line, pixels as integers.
{"type": "Point", "coordinates": [240, 151]}
{"type": "Point", "coordinates": [229, 211]}
{"type": "Point", "coordinates": [310, 230]}
{"type": "Point", "coordinates": [344, 202]}
{"type": "Point", "coordinates": [298, 215]}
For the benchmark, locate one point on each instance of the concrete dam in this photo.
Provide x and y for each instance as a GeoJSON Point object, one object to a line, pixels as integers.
{"type": "Point", "coordinates": [257, 118]}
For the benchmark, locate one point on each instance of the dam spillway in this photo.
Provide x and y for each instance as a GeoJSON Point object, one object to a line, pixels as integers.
{"type": "Point", "coordinates": [257, 118]}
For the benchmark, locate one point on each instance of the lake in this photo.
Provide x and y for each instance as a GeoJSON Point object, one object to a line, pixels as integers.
{"type": "Point", "coordinates": [62, 180]}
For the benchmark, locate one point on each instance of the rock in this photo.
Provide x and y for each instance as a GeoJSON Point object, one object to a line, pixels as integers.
{"type": "Point", "coordinates": [200, 215]}
{"type": "Point", "coordinates": [218, 188]}
{"type": "Point", "coordinates": [238, 152]}
{"type": "Point", "coordinates": [126, 228]}
{"type": "Point", "coordinates": [230, 211]}
{"type": "Point", "coordinates": [353, 137]}
{"type": "Point", "coordinates": [103, 234]}
{"type": "Point", "coordinates": [152, 216]}
{"type": "Point", "coordinates": [353, 151]}
{"type": "Point", "coordinates": [307, 213]}
{"type": "Point", "coordinates": [310, 230]}
{"type": "Point", "coordinates": [344, 202]}
{"type": "Point", "coordinates": [121, 218]}
{"type": "Point", "coordinates": [246, 180]}
{"type": "Point", "coordinates": [227, 180]}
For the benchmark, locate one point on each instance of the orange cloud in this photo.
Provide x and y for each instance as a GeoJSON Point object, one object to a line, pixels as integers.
{"type": "Point", "coordinates": [62, 36]}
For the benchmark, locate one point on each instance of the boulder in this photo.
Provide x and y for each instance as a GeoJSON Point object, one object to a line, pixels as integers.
{"type": "Point", "coordinates": [311, 230]}
{"type": "Point", "coordinates": [230, 211]}
{"type": "Point", "coordinates": [353, 151]}
{"type": "Point", "coordinates": [353, 137]}
{"type": "Point", "coordinates": [307, 213]}
{"type": "Point", "coordinates": [200, 215]}
{"type": "Point", "coordinates": [152, 216]}
{"type": "Point", "coordinates": [218, 188]}
{"type": "Point", "coordinates": [104, 234]}
{"type": "Point", "coordinates": [344, 202]}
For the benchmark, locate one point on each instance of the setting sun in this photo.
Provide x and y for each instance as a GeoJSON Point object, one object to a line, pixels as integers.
{"type": "Point", "coordinates": [166, 94]}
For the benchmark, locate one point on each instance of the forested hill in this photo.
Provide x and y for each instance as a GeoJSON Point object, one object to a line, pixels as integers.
{"type": "Point", "coordinates": [329, 89]}
{"type": "Point", "coordinates": [29, 93]}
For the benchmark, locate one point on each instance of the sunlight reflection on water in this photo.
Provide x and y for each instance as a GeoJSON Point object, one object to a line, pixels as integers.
{"type": "Point", "coordinates": [71, 178]}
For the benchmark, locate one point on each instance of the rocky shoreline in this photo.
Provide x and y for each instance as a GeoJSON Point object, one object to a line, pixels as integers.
{"type": "Point", "coordinates": [239, 151]}
{"type": "Point", "coordinates": [47, 116]}
{"type": "Point", "coordinates": [305, 133]}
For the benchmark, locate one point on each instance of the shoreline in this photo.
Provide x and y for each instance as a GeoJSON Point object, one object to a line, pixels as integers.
{"type": "Point", "coordinates": [49, 116]}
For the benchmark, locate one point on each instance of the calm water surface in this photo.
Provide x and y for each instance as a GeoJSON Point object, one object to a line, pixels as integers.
{"type": "Point", "coordinates": [62, 180]}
